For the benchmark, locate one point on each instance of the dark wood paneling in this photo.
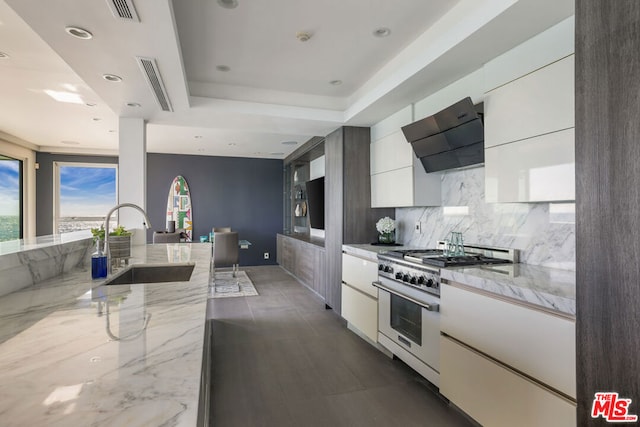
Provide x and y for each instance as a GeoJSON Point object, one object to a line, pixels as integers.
{"type": "Point", "coordinates": [348, 214]}
{"type": "Point", "coordinates": [279, 248]}
{"type": "Point", "coordinates": [305, 254]}
{"type": "Point", "coordinates": [607, 202]}
{"type": "Point", "coordinates": [359, 219]}
{"type": "Point", "coordinates": [320, 273]}
{"type": "Point", "coordinates": [333, 205]}
{"type": "Point", "coordinates": [310, 150]}
{"type": "Point", "coordinates": [305, 259]}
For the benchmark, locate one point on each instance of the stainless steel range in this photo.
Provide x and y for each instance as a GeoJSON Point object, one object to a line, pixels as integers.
{"type": "Point", "coordinates": [409, 300]}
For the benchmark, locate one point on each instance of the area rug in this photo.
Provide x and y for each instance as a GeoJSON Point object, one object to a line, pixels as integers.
{"type": "Point", "coordinates": [226, 286]}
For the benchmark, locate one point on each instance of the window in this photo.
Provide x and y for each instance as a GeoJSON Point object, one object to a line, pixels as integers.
{"type": "Point", "coordinates": [10, 199]}
{"type": "Point", "coordinates": [83, 194]}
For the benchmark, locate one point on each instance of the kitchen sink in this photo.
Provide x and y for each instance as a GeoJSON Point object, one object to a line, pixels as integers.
{"type": "Point", "coordinates": [141, 273]}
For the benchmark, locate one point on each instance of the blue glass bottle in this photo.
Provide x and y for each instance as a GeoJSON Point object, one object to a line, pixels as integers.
{"type": "Point", "coordinates": [98, 263]}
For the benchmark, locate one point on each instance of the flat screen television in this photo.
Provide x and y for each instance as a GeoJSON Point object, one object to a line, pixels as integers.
{"type": "Point", "coordinates": [315, 203]}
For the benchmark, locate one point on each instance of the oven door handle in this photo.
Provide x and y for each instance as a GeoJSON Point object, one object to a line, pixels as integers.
{"type": "Point", "coordinates": [426, 306]}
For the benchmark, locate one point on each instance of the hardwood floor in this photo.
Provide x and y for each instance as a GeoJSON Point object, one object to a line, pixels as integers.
{"type": "Point", "coordinates": [281, 359]}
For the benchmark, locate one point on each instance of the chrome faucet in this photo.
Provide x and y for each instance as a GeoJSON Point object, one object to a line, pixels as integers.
{"type": "Point", "coordinates": [147, 224]}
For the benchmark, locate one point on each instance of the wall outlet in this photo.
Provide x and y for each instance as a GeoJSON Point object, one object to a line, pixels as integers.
{"type": "Point", "coordinates": [266, 255]}
{"type": "Point", "coordinates": [418, 227]}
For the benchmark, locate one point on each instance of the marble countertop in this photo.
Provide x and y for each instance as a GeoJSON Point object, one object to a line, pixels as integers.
{"type": "Point", "coordinates": [540, 287]}
{"type": "Point", "coordinates": [75, 352]}
{"type": "Point", "coordinates": [13, 246]}
{"type": "Point", "coordinates": [367, 250]}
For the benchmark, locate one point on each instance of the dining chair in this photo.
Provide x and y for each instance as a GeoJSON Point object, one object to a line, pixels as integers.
{"type": "Point", "coordinates": [226, 250]}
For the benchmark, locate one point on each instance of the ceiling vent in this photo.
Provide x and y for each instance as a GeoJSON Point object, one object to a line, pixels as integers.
{"type": "Point", "coordinates": [150, 70]}
{"type": "Point", "coordinates": [123, 9]}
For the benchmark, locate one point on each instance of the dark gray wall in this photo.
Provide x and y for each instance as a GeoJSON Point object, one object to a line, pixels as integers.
{"type": "Point", "coordinates": [245, 194]}
{"type": "Point", "coordinates": [44, 185]}
{"type": "Point", "coordinates": [607, 203]}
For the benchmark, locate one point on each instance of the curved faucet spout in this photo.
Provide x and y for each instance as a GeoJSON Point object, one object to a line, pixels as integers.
{"type": "Point", "coordinates": [146, 223]}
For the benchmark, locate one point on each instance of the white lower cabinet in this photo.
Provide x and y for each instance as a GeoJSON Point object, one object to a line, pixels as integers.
{"type": "Point", "coordinates": [496, 396]}
{"type": "Point", "coordinates": [360, 310]}
{"type": "Point", "coordinates": [506, 363]}
{"type": "Point", "coordinates": [359, 296]}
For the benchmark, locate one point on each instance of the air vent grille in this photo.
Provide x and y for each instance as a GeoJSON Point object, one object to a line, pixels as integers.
{"type": "Point", "coordinates": [123, 9]}
{"type": "Point", "coordinates": [150, 70]}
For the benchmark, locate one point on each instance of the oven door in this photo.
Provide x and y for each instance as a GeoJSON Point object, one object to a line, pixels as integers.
{"type": "Point", "coordinates": [411, 319]}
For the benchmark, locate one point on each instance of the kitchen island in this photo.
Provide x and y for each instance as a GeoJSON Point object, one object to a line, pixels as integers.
{"type": "Point", "coordinates": [74, 352]}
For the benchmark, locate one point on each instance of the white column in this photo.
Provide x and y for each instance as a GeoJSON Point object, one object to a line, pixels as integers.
{"type": "Point", "coordinates": [132, 175]}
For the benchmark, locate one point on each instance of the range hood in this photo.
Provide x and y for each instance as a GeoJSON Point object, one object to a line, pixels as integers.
{"type": "Point", "coordinates": [450, 139]}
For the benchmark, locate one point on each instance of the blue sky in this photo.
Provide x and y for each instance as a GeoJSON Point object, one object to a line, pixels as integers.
{"type": "Point", "coordinates": [86, 191]}
{"type": "Point", "coordinates": [9, 187]}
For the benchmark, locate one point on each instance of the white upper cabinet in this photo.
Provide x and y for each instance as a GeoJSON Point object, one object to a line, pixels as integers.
{"type": "Point", "coordinates": [529, 137]}
{"type": "Point", "coordinates": [537, 103]}
{"type": "Point", "coordinates": [397, 176]}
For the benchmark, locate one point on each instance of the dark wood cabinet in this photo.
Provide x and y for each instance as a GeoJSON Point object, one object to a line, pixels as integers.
{"type": "Point", "coordinates": [349, 217]}
{"type": "Point", "coordinates": [303, 259]}
{"type": "Point", "coordinates": [607, 203]}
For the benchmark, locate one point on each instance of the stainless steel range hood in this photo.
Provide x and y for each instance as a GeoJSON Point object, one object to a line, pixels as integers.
{"type": "Point", "coordinates": [450, 139]}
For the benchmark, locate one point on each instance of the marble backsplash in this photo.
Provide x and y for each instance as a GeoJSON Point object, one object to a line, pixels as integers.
{"type": "Point", "coordinates": [543, 232]}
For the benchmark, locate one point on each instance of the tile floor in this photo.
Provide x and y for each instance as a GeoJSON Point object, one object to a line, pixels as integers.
{"type": "Point", "coordinates": [281, 359]}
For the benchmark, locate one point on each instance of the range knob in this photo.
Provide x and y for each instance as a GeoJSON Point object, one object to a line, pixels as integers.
{"type": "Point", "coordinates": [413, 280]}
{"type": "Point", "coordinates": [388, 269]}
{"type": "Point", "coordinates": [430, 283]}
{"type": "Point", "coordinates": [421, 280]}
{"type": "Point", "coordinates": [405, 278]}
{"type": "Point", "coordinates": [380, 267]}
{"type": "Point", "coordinates": [398, 275]}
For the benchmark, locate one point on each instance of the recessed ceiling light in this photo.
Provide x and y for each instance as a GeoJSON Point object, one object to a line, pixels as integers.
{"type": "Point", "coordinates": [96, 119]}
{"type": "Point", "coordinates": [112, 131]}
{"type": "Point", "coordinates": [201, 150]}
{"type": "Point", "coordinates": [133, 104]}
{"type": "Point", "coordinates": [112, 78]}
{"type": "Point", "coordinates": [228, 4]}
{"type": "Point", "coordinates": [198, 137]}
{"type": "Point", "coordinates": [90, 104]}
{"type": "Point", "coordinates": [289, 143]}
{"type": "Point", "coordinates": [4, 55]}
{"type": "Point", "coordinates": [232, 144]}
{"type": "Point", "coordinates": [336, 82]}
{"type": "Point", "coordinates": [71, 142]}
{"type": "Point", "coordinates": [303, 36]}
{"type": "Point", "coordinates": [79, 33]}
{"type": "Point", "coordinates": [381, 32]}
{"type": "Point", "coordinates": [223, 68]}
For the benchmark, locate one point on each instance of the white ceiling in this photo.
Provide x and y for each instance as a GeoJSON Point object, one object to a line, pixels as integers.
{"type": "Point", "coordinates": [277, 88]}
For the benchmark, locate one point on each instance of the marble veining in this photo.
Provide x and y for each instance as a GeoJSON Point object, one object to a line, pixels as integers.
{"type": "Point", "coordinates": [365, 250]}
{"type": "Point", "coordinates": [548, 288]}
{"type": "Point", "coordinates": [75, 352]}
{"type": "Point", "coordinates": [26, 263]}
{"type": "Point", "coordinates": [543, 232]}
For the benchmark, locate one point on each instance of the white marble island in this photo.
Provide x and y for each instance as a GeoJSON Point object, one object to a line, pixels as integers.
{"type": "Point", "coordinates": [73, 352]}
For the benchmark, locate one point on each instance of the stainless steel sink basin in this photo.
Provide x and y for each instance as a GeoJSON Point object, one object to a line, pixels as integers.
{"type": "Point", "coordinates": [141, 273]}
